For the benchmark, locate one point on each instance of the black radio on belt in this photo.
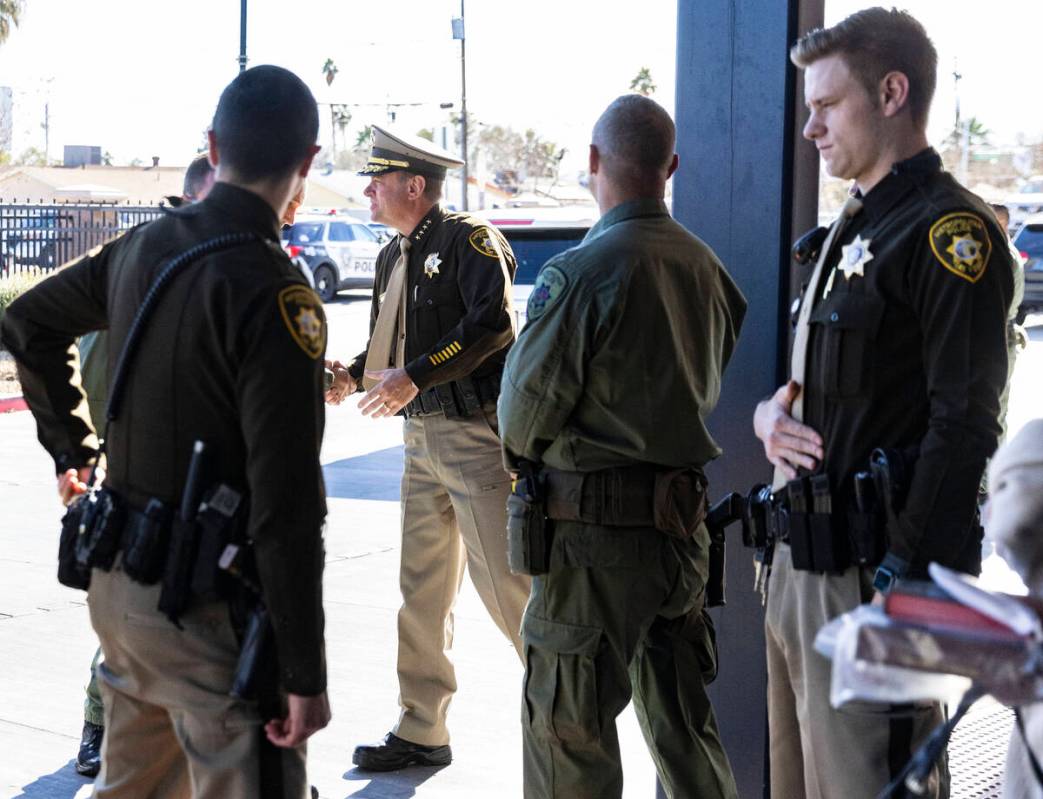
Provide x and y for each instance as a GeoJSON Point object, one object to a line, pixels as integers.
{"type": "Point", "coordinates": [90, 536]}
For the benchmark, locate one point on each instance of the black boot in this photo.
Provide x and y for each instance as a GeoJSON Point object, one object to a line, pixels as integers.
{"type": "Point", "coordinates": [395, 753]}
{"type": "Point", "coordinates": [88, 761]}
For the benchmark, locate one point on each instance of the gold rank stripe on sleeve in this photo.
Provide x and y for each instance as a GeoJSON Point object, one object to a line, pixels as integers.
{"type": "Point", "coordinates": [445, 353]}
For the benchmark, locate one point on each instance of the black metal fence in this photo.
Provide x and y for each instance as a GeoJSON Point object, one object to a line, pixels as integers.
{"type": "Point", "coordinates": [39, 238]}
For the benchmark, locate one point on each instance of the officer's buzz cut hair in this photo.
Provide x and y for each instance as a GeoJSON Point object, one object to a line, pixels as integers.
{"type": "Point", "coordinates": [635, 139]}
{"type": "Point", "coordinates": [265, 124]}
{"type": "Point", "coordinates": [873, 42]}
{"type": "Point", "coordinates": [196, 176]}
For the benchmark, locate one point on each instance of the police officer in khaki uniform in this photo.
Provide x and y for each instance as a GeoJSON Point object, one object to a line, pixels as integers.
{"type": "Point", "coordinates": [202, 372]}
{"type": "Point", "coordinates": [608, 389]}
{"type": "Point", "coordinates": [900, 345]}
{"type": "Point", "coordinates": [440, 328]}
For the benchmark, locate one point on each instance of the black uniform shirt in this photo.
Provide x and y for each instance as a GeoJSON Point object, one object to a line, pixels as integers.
{"type": "Point", "coordinates": [910, 351]}
{"type": "Point", "coordinates": [458, 303]}
{"type": "Point", "coordinates": [232, 355]}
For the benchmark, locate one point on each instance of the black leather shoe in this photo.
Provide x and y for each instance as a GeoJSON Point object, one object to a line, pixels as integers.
{"type": "Point", "coordinates": [396, 753]}
{"type": "Point", "coordinates": [88, 760]}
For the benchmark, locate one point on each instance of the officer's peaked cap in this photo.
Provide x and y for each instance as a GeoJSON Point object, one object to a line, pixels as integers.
{"type": "Point", "coordinates": [392, 152]}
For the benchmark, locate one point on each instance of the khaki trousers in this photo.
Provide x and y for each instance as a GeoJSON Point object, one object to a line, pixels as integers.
{"type": "Point", "coordinates": [595, 635]}
{"type": "Point", "coordinates": [816, 751]}
{"type": "Point", "coordinates": [171, 730]}
{"type": "Point", "coordinates": [454, 511]}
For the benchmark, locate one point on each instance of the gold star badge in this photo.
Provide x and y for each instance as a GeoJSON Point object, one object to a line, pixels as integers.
{"type": "Point", "coordinates": [308, 324]}
{"type": "Point", "coordinates": [431, 265]}
{"type": "Point", "coordinates": [854, 257]}
{"type": "Point", "coordinates": [965, 252]}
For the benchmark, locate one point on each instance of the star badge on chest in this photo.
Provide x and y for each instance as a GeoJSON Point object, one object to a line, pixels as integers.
{"type": "Point", "coordinates": [854, 257]}
{"type": "Point", "coordinates": [431, 264]}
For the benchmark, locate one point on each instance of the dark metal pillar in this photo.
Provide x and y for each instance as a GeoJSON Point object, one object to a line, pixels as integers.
{"type": "Point", "coordinates": [747, 182]}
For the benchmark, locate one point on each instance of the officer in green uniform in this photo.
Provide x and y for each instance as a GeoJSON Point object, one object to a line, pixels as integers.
{"type": "Point", "coordinates": [900, 345]}
{"type": "Point", "coordinates": [608, 390]}
{"type": "Point", "coordinates": [94, 371]}
{"type": "Point", "coordinates": [440, 327]}
{"type": "Point", "coordinates": [202, 372]}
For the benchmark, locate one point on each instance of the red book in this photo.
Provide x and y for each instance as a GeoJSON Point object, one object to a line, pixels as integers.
{"type": "Point", "coordinates": [926, 604]}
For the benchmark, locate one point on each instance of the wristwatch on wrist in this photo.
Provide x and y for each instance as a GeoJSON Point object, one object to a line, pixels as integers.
{"type": "Point", "coordinates": [884, 579]}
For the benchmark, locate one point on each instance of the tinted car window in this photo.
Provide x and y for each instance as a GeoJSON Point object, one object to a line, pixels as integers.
{"type": "Point", "coordinates": [533, 247]}
{"type": "Point", "coordinates": [363, 233]}
{"type": "Point", "coordinates": [339, 231]}
{"type": "Point", "coordinates": [306, 233]}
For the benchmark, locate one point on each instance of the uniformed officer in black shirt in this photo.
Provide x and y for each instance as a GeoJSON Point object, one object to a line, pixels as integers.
{"type": "Point", "coordinates": [900, 344]}
{"type": "Point", "coordinates": [202, 371]}
{"type": "Point", "coordinates": [440, 328]}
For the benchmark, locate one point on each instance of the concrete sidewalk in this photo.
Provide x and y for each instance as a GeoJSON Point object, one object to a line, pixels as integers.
{"type": "Point", "coordinates": [46, 641]}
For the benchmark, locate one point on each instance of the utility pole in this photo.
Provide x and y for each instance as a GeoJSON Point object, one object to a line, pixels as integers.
{"type": "Point", "coordinates": [458, 33]}
{"type": "Point", "coordinates": [242, 35]}
{"type": "Point", "coordinates": [46, 133]}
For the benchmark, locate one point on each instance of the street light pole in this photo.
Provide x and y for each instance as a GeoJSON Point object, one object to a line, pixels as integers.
{"type": "Point", "coordinates": [458, 33]}
{"type": "Point", "coordinates": [242, 35]}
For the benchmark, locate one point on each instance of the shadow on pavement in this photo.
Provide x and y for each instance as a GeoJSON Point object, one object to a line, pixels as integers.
{"type": "Point", "coordinates": [391, 785]}
{"type": "Point", "coordinates": [377, 475]}
{"type": "Point", "coordinates": [62, 783]}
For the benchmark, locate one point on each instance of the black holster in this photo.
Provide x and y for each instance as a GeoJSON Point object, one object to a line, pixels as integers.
{"type": "Point", "coordinates": [529, 531]}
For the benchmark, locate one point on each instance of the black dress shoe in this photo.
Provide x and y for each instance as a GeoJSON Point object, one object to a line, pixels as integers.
{"type": "Point", "coordinates": [88, 760]}
{"type": "Point", "coordinates": [396, 753]}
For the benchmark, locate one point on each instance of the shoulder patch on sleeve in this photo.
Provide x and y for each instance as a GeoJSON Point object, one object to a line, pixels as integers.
{"type": "Point", "coordinates": [960, 241]}
{"type": "Point", "coordinates": [301, 311]}
{"type": "Point", "coordinates": [481, 240]}
{"type": "Point", "coordinates": [550, 284]}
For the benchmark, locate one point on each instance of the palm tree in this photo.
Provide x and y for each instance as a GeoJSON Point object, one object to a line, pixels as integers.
{"type": "Point", "coordinates": [642, 82]}
{"type": "Point", "coordinates": [10, 11]}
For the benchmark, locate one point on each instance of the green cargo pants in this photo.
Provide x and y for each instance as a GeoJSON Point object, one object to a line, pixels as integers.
{"type": "Point", "coordinates": [93, 710]}
{"type": "Point", "coordinates": [620, 613]}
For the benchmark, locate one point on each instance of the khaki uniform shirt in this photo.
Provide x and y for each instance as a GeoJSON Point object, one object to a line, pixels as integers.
{"type": "Point", "coordinates": [622, 356]}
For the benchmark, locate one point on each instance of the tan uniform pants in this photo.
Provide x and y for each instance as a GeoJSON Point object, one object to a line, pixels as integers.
{"type": "Point", "coordinates": [816, 751]}
{"type": "Point", "coordinates": [171, 730]}
{"type": "Point", "coordinates": [454, 499]}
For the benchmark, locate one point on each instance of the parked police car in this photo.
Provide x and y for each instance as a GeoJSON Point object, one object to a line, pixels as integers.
{"type": "Point", "coordinates": [341, 253]}
{"type": "Point", "coordinates": [1029, 242]}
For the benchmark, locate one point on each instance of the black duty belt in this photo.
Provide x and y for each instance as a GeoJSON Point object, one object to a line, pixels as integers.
{"type": "Point", "coordinates": [670, 500]}
{"type": "Point", "coordinates": [457, 399]}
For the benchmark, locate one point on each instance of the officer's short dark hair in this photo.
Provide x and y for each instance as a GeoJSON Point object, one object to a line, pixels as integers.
{"type": "Point", "coordinates": [266, 122]}
{"type": "Point", "coordinates": [635, 139]}
{"type": "Point", "coordinates": [873, 42]}
{"type": "Point", "coordinates": [433, 189]}
{"type": "Point", "coordinates": [196, 176]}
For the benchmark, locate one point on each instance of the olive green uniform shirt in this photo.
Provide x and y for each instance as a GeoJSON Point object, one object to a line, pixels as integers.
{"type": "Point", "coordinates": [622, 356]}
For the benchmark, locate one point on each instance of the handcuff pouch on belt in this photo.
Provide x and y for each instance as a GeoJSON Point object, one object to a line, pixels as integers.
{"type": "Point", "coordinates": [90, 536]}
{"type": "Point", "coordinates": [529, 531]}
